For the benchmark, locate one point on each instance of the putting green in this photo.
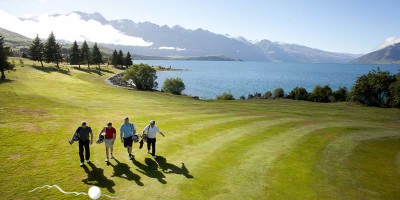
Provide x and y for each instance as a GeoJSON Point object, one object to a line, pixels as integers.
{"type": "Point", "coordinates": [267, 149]}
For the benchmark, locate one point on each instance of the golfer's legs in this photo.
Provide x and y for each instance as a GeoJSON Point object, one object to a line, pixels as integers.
{"type": "Point", "coordinates": [81, 150]}
{"type": "Point", "coordinates": [153, 146]}
{"type": "Point", "coordinates": [148, 144]}
{"type": "Point", "coordinates": [87, 150]}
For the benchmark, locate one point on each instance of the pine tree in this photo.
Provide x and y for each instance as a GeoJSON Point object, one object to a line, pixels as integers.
{"type": "Point", "coordinates": [4, 64]}
{"type": "Point", "coordinates": [36, 50]}
{"type": "Point", "coordinates": [85, 53]}
{"type": "Point", "coordinates": [58, 55]}
{"type": "Point", "coordinates": [74, 57]}
{"type": "Point", "coordinates": [128, 60]}
{"type": "Point", "coordinates": [97, 58]}
{"type": "Point", "coordinates": [120, 58]}
{"type": "Point", "coordinates": [52, 50]}
{"type": "Point", "coordinates": [114, 58]}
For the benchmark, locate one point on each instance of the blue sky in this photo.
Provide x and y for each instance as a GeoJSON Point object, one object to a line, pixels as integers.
{"type": "Point", "coordinates": [352, 26]}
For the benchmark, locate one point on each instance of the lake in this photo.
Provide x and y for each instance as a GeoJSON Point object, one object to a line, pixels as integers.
{"type": "Point", "coordinates": [207, 79]}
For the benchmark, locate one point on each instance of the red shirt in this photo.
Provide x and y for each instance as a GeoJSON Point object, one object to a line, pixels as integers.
{"type": "Point", "coordinates": [110, 133]}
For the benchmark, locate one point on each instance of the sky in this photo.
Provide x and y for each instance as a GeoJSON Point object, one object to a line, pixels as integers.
{"type": "Point", "coordinates": [349, 26]}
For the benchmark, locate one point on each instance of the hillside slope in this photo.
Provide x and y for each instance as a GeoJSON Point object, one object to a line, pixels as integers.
{"type": "Point", "coordinates": [271, 149]}
{"type": "Point", "coordinates": [389, 54]}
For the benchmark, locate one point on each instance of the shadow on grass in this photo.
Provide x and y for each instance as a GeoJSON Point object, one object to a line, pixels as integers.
{"type": "Point", "coordinates": [6, 81]}
{"type": "Point", "coordinates": [150, 169]}
{"type": "Point", "coordinates": [96, 177]}
{"type": "Point", "coordinates": [122, 170]}
{"type": "Point", "coordinates": [94, 70]}
{"type": "Point", "coordinates": [52, 69]}
{"type": "Point", "coordinates": [169, 168]}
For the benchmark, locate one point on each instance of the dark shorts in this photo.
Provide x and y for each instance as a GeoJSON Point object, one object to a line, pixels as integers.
{"type": "Point", "coordinates": [128, 142]}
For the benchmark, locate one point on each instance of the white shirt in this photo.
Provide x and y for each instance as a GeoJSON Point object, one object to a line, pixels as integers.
{"type": "Point", "coordinates": [151, 131]}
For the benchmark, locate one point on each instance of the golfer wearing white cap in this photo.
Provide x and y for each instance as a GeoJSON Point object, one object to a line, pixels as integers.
{"type": "Point", "coordinates": [151, 130]}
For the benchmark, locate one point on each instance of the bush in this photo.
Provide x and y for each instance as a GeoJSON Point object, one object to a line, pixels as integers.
{"type": "Point", "coordinates": [173, 85]}
{"type": "Point", "coordinates": [279, 93]}
{"type": "Point", "coordinates": [267, 95]}
{"type": "Point", "coordinates": [373, 89]}
{"type": "Point", "coordinates": [395, 93]}
{"type": "Point", "coordinates": [242, 97]}
{"type": "Point", "coordinates": [142, 75]}
{"type": "Point", "coordinates": [321, 94]}
{"type": "Point", "coordinates": [225, 96]}
{"type": "Point", "coordinates": [340, 94]}
{"type": "Point", "coordinates": [298, 93]}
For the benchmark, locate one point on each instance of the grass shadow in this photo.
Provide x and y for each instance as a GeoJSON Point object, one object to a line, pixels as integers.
{"type": "Point", "coordinates": [169, 168]}
{"type": "Point", "coordinates": [94, 70]}
{"type": "Point", "coordinates": [52, 69]}
{"type": "Point", "coordinates": [96, 177]}
{"type": "Point", "coordinates": [150, 169]}
{"type": "Point", "coordinates": [6, 81]}
{"type": "Point", "coordinates": [122, 170]}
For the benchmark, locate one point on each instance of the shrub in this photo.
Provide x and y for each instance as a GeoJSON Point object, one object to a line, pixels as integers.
{"type": "Point", "coordinates": [340, 94]}
{"type": "Point", "coordinates": [225, 96]}
{"type": "Point", "coordinates": [250, 96]}
{"type": "Point", "coordinates": [373, 89]}
{"type": "Point", "coordinates": [173, 85]}
{"type": "Point", "coordinates": [142, 75]}
{"type": "Point", "coordinates": [242, 97]}
{"type": "Point", "coordinates": [267, 95]}
{"type": "Point", "coordinates": [395, 93]}
{"type": "Point", "coordinates": [321, 94]}
{"type": "Point", "coordinates": [279, 93]}
{"type": "Point", "coordinates": [298, 93]}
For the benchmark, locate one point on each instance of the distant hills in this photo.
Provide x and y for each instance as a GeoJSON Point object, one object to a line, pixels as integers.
{"type": "Point", "coordinates": [178, 42]}
{"type": "Point", "coordinates": [389, 54]}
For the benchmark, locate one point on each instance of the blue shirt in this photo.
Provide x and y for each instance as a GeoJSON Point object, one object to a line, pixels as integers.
{"type": "Point", "coordinates": [127, 130]}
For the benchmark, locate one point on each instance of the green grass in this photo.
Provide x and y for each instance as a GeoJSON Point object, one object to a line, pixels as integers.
{"type": "Point", "coordinates": [263, 149]}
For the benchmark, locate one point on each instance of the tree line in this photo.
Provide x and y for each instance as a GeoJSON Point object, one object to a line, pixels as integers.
{"type": "Point", "coordinates": [377, 88]}
{"type": "Point", "coordinates": [50, 52]}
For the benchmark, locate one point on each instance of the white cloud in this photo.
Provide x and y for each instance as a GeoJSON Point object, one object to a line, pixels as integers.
{"type": "Point", "coordinates": [167, 48]}
{"type": "Point", "coordinates": [389, 41]}
{"type": "Point", "coordinates": [69, 28]}
{"type": "Point", "coordinates": [172, 48]}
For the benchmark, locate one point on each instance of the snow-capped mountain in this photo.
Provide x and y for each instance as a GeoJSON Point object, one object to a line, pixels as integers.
{"type": "Point", "coordinates": [146, 38]}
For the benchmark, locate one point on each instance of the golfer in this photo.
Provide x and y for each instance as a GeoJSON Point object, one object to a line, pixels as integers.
{"type": "Point", "coordinates": [83, 133]}
{"type": "Point", "coordinates": [109, 138]}
{"type": "Point", "coordinates": [127, 131]}
{"type": "Point", "coordinates": [151, 130]}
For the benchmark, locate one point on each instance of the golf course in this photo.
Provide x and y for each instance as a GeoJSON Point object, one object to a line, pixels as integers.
{"type": "Point", "coordinates": [258, 149]}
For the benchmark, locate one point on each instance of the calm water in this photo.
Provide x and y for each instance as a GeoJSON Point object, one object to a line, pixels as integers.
{"type": "Point", "coordinates": [207, 79]}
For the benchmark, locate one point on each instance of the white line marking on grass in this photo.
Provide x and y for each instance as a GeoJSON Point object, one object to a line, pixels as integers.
{"type": "Point", "coordinates": [64, 192]}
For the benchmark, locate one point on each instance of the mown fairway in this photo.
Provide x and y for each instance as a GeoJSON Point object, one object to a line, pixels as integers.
{"type": "Point", "coordinates": [270, 149]}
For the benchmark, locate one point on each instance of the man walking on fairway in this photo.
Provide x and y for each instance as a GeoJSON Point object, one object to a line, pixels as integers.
{"type": "Point", "coordinates": [83, 133]}
{"type": "Point", "coordinates": [109, 138]}
{"type": "Point", "coordinates": [152, 130]}
{"type": "Point", "coordinates": [127, 131]}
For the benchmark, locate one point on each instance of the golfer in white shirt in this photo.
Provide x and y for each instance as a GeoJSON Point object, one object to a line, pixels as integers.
{"type": "Point", "coordinates": [151, 130]}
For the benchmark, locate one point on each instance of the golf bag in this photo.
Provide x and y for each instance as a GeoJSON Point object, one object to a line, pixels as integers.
{"type": "Point", "coordinates": [135, 138]}
{"type": "Point", "coordinates": [75, 136]}
{"type": "Point", "coordinates": [101, 136]}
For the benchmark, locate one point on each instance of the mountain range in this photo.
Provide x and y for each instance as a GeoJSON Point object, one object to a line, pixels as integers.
{"type": "Point", "coordinates": [389, 54]}
{"type": "Point", "coordinates": [176, 42]}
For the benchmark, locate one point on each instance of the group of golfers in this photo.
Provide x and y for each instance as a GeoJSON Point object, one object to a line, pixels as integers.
{"type": "Point", "coordinates": [109, 134]}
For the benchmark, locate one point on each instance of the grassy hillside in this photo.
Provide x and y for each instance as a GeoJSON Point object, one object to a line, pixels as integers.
{"type": "Point", "coordinates": [270, 149]}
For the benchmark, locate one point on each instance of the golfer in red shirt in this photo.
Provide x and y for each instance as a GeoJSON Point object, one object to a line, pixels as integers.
{"type": "Point", "coordinates": [109, 138]}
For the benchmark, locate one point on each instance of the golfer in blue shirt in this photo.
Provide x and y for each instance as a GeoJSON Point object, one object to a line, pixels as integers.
{"type": "Point", "coordinates": [127, 131]}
